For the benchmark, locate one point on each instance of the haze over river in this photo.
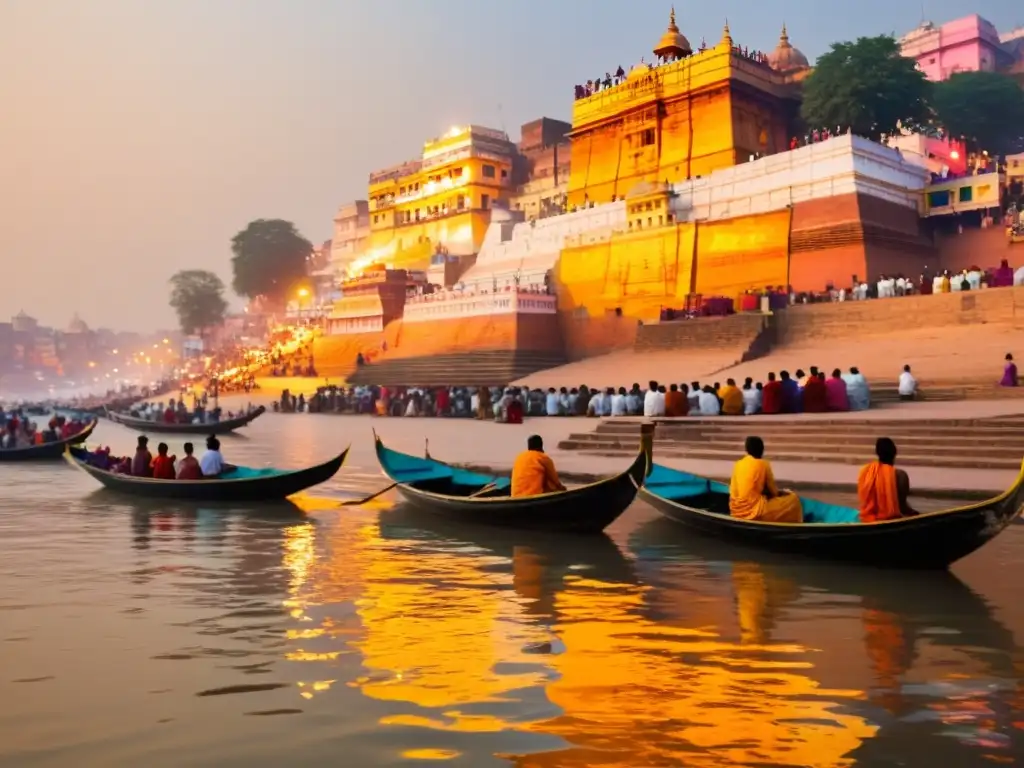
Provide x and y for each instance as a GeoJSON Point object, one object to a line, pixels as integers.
{"type": "Point", "coordinates": [145, 634]}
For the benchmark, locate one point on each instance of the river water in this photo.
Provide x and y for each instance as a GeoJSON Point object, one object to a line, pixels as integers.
{"type": "Point", "coordinates": [139, 633]}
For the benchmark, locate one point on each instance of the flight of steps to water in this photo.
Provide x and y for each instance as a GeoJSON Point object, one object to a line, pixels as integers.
{"type": "Point", "coordinates": [485, 368]}
{"type": "Point", "coordinates": [965, 444]}
{"type": "Point", "coordinates": [732, 332]}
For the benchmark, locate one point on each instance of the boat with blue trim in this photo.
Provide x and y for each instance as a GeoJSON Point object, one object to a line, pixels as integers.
{"type": "Point", "coordinates": [930, 540]}
{"type": "Point", "coordinates": [473, 497]}
{"type": "Point", "coordinates": [44, 451]}
{"type": "Point", "coordinates": [238, 484]}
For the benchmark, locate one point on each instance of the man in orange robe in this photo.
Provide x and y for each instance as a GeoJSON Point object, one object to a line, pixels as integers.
{"type": "Point", "coordinates": [534, 472]}
{"type": "Point", "coordinates": [753, 494]}
{"type": "Point", "coordinates": [676, 403]}
{"type": "Point", "coordinates": [882, 489]}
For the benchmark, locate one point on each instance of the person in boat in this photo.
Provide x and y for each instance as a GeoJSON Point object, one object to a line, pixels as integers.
{"type": "Point", "coordinates": [1009, 373]}
{"type": "Point", "coordinates": [163, 465]}
{"type": "Point", "coordinates": [212, 464]}
{"type": "Point", "coordinates": [533, 472]}
{"type": "Point", "coordinates": [142, 462]}
{"type": "Point", "coordinates": [753, 494]}
{"type": "Point", "coordinates": [882, 489]}
{"type": "Point", "coordinates": [188, 467]}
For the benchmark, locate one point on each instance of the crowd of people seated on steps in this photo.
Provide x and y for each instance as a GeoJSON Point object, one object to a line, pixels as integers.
{"type": "Point", "coordinates": [811, 392]}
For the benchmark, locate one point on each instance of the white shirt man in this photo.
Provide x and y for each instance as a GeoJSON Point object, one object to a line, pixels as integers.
{"type": "Point", "coordinates": [654, 401]}
{"type": "Point", "coordinates": [619, 405]}
{"type": "Point", "coordinates": [212, 463]}
{"type": "Point", "coordinates": [595, 404]}
{"type": "Point", "coordinates": [709, 405]}
{"type": "Point", "coordinates": [907, 384]}
{"type": "Point", "coordinates": [751, 401]}
{"type": "Point", "coordinates": [551, 404]}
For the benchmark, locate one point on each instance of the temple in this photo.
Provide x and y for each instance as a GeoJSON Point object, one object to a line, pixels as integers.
{"type": "Point", "coordinates": [685, 182]}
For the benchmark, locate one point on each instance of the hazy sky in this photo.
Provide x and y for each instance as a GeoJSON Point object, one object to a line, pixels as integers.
{"type": "Point", "coordinates": [137, 136]}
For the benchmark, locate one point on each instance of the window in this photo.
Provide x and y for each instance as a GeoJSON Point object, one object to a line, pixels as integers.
{"type": "Point", "coordinates": [504, 173]}
{"type": "Point", "coordinates": [456, 172]}
{"type": "Point", "coordinates": [375, 217]}
{"type": "Point", "coordinates": [417, 214]}
{"type": "Point", "coordinates": [401, 191]}
{"type": "Point", "coordinates": [485, 200]}
{"type": "Point", "coordinates": [966, 194]}
{"type": "Point", "coordinates": [460, 202]}
{"type": "Point", "coordinates": [488, 171]}
{"type": "Point", "coordinates": [939, 199]}
{"type": "Point", "coordinates": [647, 138]}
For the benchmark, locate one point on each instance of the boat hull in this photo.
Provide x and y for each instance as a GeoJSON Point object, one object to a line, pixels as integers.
{"type": "Point", "coordinates": [933, 540]}
{"type": "Point", "coordinates": [265, 488]}
{"type": "Point", "coordinates": [47, 451]}
{"type": "Point", "coordinates": [159, 427]}
{"type": "Point", "coordinates": [586, 510]}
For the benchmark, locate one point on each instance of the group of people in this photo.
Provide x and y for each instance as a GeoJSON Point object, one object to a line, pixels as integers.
{"type": "Point", "coordinates": [883, 491]}
{"type": "Point", "coordinates": [164, 466]}
{"type": "Point", "coordinates": [17, 431]}
{"type": "Point", "coordinates": [177, 412]}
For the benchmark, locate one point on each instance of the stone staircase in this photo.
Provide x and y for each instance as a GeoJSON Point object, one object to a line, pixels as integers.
{"type": "Point", "coordinates": [959, 444]}
{"type": "Point", "coordinates": [735, 331]}
{"type": "Point", "coordinates": [484, 368]}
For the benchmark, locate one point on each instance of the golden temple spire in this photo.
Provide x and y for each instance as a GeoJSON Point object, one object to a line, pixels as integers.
{"type": "Point", "coordinates": [726, 35]}
{"type": "Point", "coordinates": [673, 44]}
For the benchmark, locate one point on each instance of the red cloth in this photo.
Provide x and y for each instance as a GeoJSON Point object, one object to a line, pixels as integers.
{"type": "Point", "coordinates": [815, 396]}
{"type": "Point", "coordinates": [771, 397]}
{"type": "Point", "coordinates": [169, 416]}
{"type": "Point", "coordinates": [443, 399]}
{"type": "Point", "coordinates": [515, 412]}
{"type": "Point", "coordinates": [163, 468]}
{"type": "Point", "coordinates": [188, 469]}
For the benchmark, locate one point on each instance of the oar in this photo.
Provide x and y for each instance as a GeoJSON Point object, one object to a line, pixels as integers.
{"type": "Point", "coordinates": [489, 487]}
{"type": "Point", "coordinates": [371, 497]}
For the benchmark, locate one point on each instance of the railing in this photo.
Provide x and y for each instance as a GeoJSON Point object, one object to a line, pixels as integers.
{"type": "Point", "coordinates": [459, 305]}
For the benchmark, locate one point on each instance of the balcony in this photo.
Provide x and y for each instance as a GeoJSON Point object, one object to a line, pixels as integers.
{"type": "Point", "coordinates": [453, 305]}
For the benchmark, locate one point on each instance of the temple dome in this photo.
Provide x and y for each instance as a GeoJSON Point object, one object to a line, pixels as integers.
{"type": "Point", "coordinates": [786, 58]}
{"type": "Point", "coordinates": [673, 43]}
{"type": "Point", "coordinates": [77, 325]}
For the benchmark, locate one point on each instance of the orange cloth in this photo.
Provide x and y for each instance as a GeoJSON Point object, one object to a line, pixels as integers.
{"type": "Point", "coordinates": [877, 491]}
{"type": "Point", "coordinates": [732, 400]}
{"type": "Point", "coordinates": [676, 404]}
{"type": "Point", "coordinates": [753, 494]}
{"type": "Point", "coordinates": [533, 474]}
{"type": "Point", "coordinates": [163, 468]}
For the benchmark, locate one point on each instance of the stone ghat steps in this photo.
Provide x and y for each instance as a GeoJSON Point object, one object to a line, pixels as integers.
{"type": "Point", "coordinates": [706, 333]}
{"type": "Point", "coordinates": [746, 425]}
{"type": "Point", "coordinates": [661, 451]}
{"type": "Point", "coordinates": [821, 446]}
{"type": "Point", "coordinates": [484, 368]}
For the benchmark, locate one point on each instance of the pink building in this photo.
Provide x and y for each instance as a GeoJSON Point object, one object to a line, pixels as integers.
{"type": "Point", "coordinates": [970, 44]}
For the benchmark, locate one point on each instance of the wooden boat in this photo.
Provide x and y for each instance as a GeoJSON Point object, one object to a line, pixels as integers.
{"type": "Point", "coordinates": [243, 484]}
{"type": "Point", "coordinates": [931, 540]}
{"type": "Point", "coordinates": [467, 496]}
{"type": "Point", "coordinates": [221, 427]}
{"type": "Point", "coordinates": [52, 450]}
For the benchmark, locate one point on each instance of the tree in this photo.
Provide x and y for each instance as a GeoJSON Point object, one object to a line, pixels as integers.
{"type": "Point", "coordinates": [866, 86]}
{"type": "Point", "coordinates": [986, 108]}
{"type": "Point", "coordinates": [270, 259]}
{"type": "Point", "coordinates": [198, 298]}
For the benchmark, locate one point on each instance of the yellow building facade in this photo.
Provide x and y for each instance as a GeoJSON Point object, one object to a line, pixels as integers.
{"type": "Point", "coordinates": [692, 113]}
{"type": "Point", "coordinates": [440, 202]}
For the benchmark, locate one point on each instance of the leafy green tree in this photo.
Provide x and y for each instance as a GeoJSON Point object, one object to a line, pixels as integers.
{"type": "Point", "coordinates": [198, 298]}
{"type": "Point", "coordinates": [986, 108]}
{"type": "Point", "coordinates": [270, 259]}
{"type": "Point", "coordinates": [866, 86]}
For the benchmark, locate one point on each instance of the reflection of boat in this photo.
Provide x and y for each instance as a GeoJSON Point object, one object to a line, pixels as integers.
{"type": "Point", "coordinates": [596, 557]}
{"type": "Point", "coordinates": [242, 484]}
{"type": "Point", "coordinates": [52, 450]}
{"type": "Point", "coordinates": [918, 643]}
{"type": "Point", "coordinates": [930, 540]}
{"type": "Point", "coordinates": [207, 428]}
{"type": "Point", "coordinates": [472, 497]}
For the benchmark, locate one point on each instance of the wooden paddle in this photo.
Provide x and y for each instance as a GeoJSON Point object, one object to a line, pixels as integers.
{"type": "Point", "coordinates": [485, 489]}
{"type": "Point", "coordinates": [371, 497]}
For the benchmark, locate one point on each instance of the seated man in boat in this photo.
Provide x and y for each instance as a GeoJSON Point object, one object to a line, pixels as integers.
{"type": "Point", "coordinates": [212, 464]}
{"type": "Point", "coordinates": [882, 489]}
{"type": "Point", "coordinates": [163, 465]}
{"type": "Point", "coordinates": [753, 494]}
{"type": "Point", "coordinates": [188, 467]}
{"type": "Point", "coordinates": [534, 472]}
{"type": "Point", "coordinates": [142, 462]}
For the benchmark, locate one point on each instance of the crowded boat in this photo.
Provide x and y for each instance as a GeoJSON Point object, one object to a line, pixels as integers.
{"type": "Point", "coordinates": [18, 431]}
{"type": "Point", "coordinates": [164, 465]}
{"type": "Point", "coordinates": [177, 412]}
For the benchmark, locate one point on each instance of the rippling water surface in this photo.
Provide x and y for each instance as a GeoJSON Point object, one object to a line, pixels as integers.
{"type": "Point", "coordinates": [135, 633]}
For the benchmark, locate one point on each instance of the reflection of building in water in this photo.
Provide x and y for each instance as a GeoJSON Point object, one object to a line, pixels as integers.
{"type": "Point", "coordinates": [436, 626]}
